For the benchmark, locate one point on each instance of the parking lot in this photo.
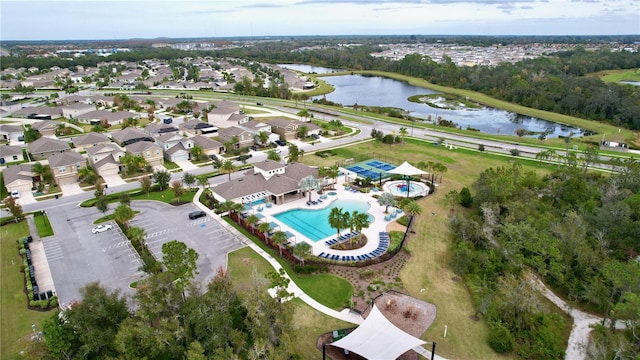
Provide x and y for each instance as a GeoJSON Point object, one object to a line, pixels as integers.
{"type": "Point", "coordinates": [77, 257]}
{"type": "Point", "coordinates": [163, 223]}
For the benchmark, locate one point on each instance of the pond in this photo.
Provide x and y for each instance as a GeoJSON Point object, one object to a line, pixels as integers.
{"type": "Point", "coordinates": [385, 92]}
{"type": "Point", "coordinates": [309, 69]}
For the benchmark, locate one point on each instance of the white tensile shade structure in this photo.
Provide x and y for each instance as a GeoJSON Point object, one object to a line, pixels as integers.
{"type": "Point", "coordinates": [408, 170]}
{"type": "Point", "coordinates": [378, 339]}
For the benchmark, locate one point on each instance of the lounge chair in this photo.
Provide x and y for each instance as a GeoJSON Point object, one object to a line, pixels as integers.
{"type": "Point", "coordinates": [321, 254]}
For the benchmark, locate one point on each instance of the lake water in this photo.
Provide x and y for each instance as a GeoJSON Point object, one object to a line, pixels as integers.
{"type": "Point", "coordinates": [310, 68]}
{"type": "Point", "coordinates": [385, 92]}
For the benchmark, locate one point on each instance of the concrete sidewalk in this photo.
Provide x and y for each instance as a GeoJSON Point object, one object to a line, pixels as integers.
{"type": "Point", "coordinates": [41, 269]}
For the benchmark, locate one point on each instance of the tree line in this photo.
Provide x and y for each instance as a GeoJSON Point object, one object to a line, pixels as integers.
{"type": "Point", "coordinates": [578, 231]}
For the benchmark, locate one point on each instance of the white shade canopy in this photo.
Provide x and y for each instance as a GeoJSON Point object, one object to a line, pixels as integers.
{"type": "Point", "coordinates": [406, 169]}
{"type": "Point", "coordinates": [378, 339]}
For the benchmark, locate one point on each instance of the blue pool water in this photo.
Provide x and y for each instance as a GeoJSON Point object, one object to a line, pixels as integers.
{"type": "Point", "coordinates": [314, 223]}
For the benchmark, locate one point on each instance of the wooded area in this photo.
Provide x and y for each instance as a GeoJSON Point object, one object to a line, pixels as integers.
{"type": "Point", "coordinates": [576, 230]}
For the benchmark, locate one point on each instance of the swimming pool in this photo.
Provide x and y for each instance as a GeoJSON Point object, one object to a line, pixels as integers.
{"type": "Point", "coordinates": [399, 188]}
{"type": "Point", "coordinates": [314, 224]}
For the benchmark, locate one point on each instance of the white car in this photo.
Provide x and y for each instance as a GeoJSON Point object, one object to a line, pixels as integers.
{"type": "Point", "coordinates": [15, 195]}
{"type": "Point", "coordinates": [101, 228]}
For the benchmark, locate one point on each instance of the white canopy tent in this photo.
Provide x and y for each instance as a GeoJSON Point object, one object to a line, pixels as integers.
{"type": "Point", "coordinates": [378, 339]}
{"type": "Point", "coordinates": [408, 170]}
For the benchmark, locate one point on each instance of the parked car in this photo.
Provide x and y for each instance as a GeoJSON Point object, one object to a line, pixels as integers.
{"type": "Point", "coordinates": [259, 103]}
{"type": "Point", "coordinates": [254, 147]}
{"type": "Point", "coordinates": [15, 195]}
{"type": "Point", "coordinates": [281, 142]}
{"type": "Point", "coordinates": [244, 157]}
{"type": "Point", "coordinates": [101, 228]}
{"type": "Point", "coordinates": [196, 214]}
{"type": "Point", "coordinates": [315, 136]}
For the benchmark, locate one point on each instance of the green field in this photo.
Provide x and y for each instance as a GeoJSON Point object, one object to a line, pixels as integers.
{"type": "Point", "coordinates": [618, 75]}
{"type": "Point", "coordinates": [16, 318]}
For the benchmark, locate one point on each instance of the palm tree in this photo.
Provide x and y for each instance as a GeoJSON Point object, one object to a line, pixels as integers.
{"type": "Point", "coordinates": [294, 152]}
{"type": "Point", "coordinates": [358, 222]}
{"type": "Point", "coordinates": [252, 220]}
{"type": "Point", "coordinates": [263, 138]}
{"type": "Point", "coordinates": [386, 199]}
{"type": "Point", "coordinates": [439, 168]}
{"type": "Point", "coordinates": [273, 155]}
{"type": "Point", "coordinates": [302, 250]}
{"type": "Point", "coordinates": [202, 181]}
{"type": "Point", "coordinates": [334, 172]}
{"type": "Point", "coordinates": [137, 234]}
{"type": "Point", "coordinates": [308, 184]}
{"type": "Point", "coordinates": [304, 114]}
{"type": "Point", "coordinates": [122, 214]}
{"type": "Point", "coordinates": [227, 168]}
{"type": "Point", "coordinates": [279, 238]}
{"type": "Point", "coordinates": [264, 227]}
{"type": "Point", "coordinates": [336, 219]}
{"type": "Point", "coordinates": [412, 209]}
{"type": "Point", "coordinates": [403, 133]}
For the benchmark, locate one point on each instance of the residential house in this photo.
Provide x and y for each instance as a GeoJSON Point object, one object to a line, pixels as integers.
{"type": "Point", "coordinates": [197, 127]}
{"type": "Point", "coordinates": [64, 167]}
{"type": "Point", "coordinates": [74, 110]}
{"type": "Point", "coordinates": [222, 112]}
{"type": "Point", "coordinates": [208, 145]}
{"type": "Point", "coordinates": [175, 147]}
{"type": "Point", "coordinates": [86, 141]}
{"type": "Point", "coordinates": [268, 180]}
{"type": "Point", "coordinates": [105, 158]}
{"type": "Point", "coordinates": [131, 135]}
{"type": "Point", "coordinates": [257, 127]}
{"type": "Point", "coordinates": [18, 178]}
{"type": "Point", "coordinates": [160, 128]}
{"type": "Point", "coordinates": [11, 132]}
{"type": "Point", "coordinates": [46, 127]}
{"type": "Point", "coordinates": [45, 147]}
{"type": "Point", "coordinates": [38, 112]}
{"type": "Point", "coordinates": [288, 129]}
{"type": "Point", "coordinates": [105, 116]}
{"type": "Point", "coordinates": [238, 137]}
{"type": "Point", "coordinates": [9, 154]}
{"type": "Point", "coordinates": [150, 151]}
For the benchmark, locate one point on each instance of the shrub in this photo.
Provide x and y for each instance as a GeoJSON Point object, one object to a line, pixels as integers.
{"type": "Point", "coordinates": [403, 220]}
{"type": "Point", "coordinates": [306, 269]}
{"type": "Point", "coordinates": [500, 338]}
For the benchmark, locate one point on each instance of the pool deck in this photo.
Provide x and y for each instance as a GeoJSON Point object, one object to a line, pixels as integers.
{"type": "Point", "coordinates": [379, 224]}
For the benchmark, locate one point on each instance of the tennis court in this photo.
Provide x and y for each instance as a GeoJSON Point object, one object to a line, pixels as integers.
{"type": "Point", "coordinates": [373, 169]}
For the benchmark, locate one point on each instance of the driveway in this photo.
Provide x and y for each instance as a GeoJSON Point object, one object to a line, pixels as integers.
{"type": "Point", "coordinates": [26, 197]}
{"type": "Point", "coordinates": [164, 223]}
{"type": "Point", "coordinates": [113, 180]}
{"type": "Point", "coordinates": [186, 165]}
{"type": "Point", "coordinates": [71, 189]}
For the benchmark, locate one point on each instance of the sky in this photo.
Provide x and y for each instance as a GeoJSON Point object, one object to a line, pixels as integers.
{"type": "Point", "coordinates": [125, 19]}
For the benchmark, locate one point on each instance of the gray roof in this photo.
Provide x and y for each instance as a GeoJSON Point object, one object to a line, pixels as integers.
{"type": "Point", "coordinates": [40, 110]}
{"type": "Point", "coordinates": [195, 124]}
{"type": "Point", "coordinates": [161, 128]}
{"type": "Point", "coordinates": [268, 165]}
{"type": "Point", "coordinates": [79, 106]}
{"type": "Point", "coordinates": [140, 146]}
{"type": "Point", "coordinates": [90, 138]}
{"type": "Point", "coordinates": [11, 128]}
{"type": "Point", "coordinates": [277, 184]}
{"type": "Point", "coordinates": [109, 116]}
{"type": "Point", "coordinates": [129, 134]}
{"type": "Point", "coordinates": [95, 149]}
{"type": "Point", "coordinates": [45, 124]}
{"type": "Point", "coordinates": [45, 144]}
{"type": "Point", "coordinates": [65, 159]}
{"type": "Point", "coordinates": [17, 172]}
{"type": "Point", "coordinates": [205, 142]}
{"type": "Point", "coordinates": [231, 131]}
{"type": "Point", "coordinates": [8, 150]}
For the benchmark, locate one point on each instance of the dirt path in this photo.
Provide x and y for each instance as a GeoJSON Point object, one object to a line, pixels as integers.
{"type": "Point", "coordinates": [582, 322]}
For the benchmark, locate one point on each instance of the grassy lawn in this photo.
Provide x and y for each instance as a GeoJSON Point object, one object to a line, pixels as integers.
{"type": "Point", "coordinates": [165, 196]}
{"type": "Point", "coordinates": [329, 290]}
{"type": "Point", "coordinates": [16, 318]}
{"type": "Point", "coordinates": [170, 165]}
{"type": "Point", "coordinates": [428, 267]}
{"type": "Point", "coordinates": [618, 75]}
{"type": "Point", "coordinates": [307, 324]}
{"type": "Point", "coordinates": [42, 224]}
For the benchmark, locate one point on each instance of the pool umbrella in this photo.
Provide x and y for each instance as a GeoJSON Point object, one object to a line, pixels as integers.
{"type": "Point", "coordinates": [408, 170]}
